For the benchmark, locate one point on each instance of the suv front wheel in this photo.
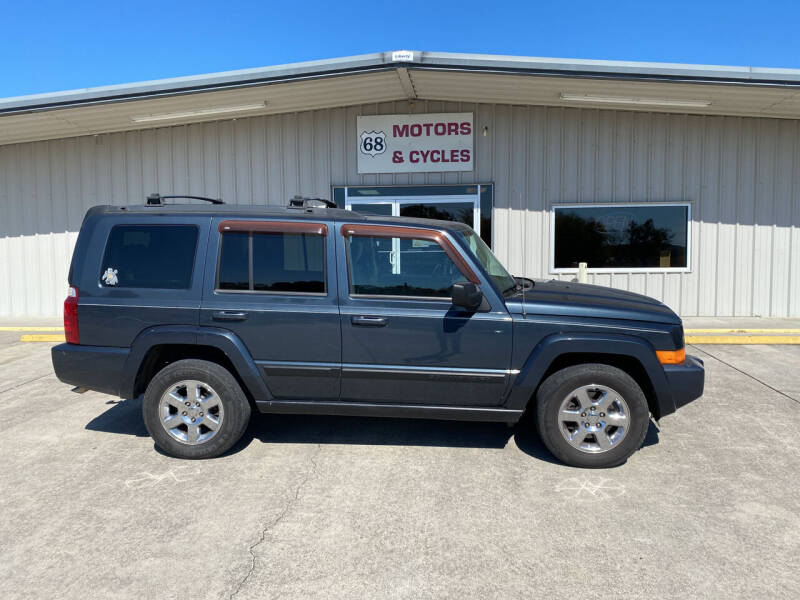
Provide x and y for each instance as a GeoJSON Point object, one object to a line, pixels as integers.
{"type": "Point", "coordinates": [195, 409]}
{"type": "Point", "coordinates": [592, 415]}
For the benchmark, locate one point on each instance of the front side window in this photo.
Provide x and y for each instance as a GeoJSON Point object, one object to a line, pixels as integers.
{"type": "Point", "coordinates": [400, 266]}
{"type": "Point", "coordinates": [149, 256]}
{"type": "Point", "coordinates": [621, 236]}
{"type": "Point", "coordinates": [272, 262]}
{"type": "Point", "coordinates": [504, 282]}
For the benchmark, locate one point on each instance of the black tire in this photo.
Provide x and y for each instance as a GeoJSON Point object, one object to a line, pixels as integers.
{"type": "Point", "coordinates": [561, 384]}
{"type": "Point", "coordinates": [233, 400]}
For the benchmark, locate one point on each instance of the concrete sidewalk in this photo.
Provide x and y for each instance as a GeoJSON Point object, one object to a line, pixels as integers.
{"type": "Point", "coordinates": [741, 323]}
{"type": "Point", "coordinates": [32, 322]}
{"type": "Point", "coordinates": [741, 330]}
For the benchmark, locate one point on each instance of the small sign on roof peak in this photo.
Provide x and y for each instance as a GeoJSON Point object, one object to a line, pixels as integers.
{"type": "Point", "coordinates": [403, 56]}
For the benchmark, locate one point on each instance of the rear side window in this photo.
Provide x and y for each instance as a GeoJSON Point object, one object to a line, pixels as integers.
{"type": "Point", "coordinates": [234, 262]}
{"type": "Point", "coordinates": [149, 256]}
{"type": "Point", "coordinates": [272, 262]}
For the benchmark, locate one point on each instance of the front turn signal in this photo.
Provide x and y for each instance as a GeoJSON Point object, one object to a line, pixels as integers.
{"type": "Point", "coordinates": [671, 357]}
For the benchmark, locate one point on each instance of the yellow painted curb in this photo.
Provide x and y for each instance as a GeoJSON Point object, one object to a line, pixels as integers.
{"type": "Point", "coordinates": [31, 329]}
{"type": "Point", "coordinates": [726, 331]}
{"type": "Point", "coordinates": [42, 338]}
{"type": "Point", "coordinates": [743, 339]}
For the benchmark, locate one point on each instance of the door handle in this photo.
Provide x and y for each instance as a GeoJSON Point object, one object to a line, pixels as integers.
{"type": "Point", "coordinates": [224, 315]}
{"type": "Point", "coordinates": [369, 321]}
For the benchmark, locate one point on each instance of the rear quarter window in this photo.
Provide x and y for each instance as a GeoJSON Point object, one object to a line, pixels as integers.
{"type": "Point", "coordinates": [150, 256]}
{"type": "Point", "coordinates": [279, 262]}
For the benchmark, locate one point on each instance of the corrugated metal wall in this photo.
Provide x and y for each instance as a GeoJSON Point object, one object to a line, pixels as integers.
{"type": "Point", "coordinates": [741, 174]}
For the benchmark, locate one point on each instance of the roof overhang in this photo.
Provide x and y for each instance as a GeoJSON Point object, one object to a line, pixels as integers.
{"type": "Point", "coordinates": [391, 76]}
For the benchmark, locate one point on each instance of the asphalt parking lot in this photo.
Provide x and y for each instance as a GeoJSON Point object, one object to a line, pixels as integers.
{"type": "Point", "coordinates": [328, 507]}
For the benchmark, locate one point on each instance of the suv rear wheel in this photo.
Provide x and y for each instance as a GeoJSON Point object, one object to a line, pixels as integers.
{"type": "Point", "coordinates": [592, 415]}
{"type": "Point", "coordinates": [195, 409]}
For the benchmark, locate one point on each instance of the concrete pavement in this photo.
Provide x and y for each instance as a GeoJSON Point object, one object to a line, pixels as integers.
{"type": "Point", "coordinates": [329, 507]}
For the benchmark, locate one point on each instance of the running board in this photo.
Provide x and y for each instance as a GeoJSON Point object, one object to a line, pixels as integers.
{"type": "Point", "coordinates": [402, 411]}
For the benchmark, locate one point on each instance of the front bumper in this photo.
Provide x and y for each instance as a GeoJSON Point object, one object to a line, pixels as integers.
{"type": "Point", "coordinates": [686, 380]}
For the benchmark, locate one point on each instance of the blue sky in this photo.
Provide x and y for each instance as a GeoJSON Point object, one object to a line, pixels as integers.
{"type": "Point", "coordinates": [49, 46]}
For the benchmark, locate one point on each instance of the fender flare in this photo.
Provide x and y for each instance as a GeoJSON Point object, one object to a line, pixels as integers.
{"type": "Point", "coordinates": [559, 344]}
{"type": "Point", "coordinates": [226, 341]}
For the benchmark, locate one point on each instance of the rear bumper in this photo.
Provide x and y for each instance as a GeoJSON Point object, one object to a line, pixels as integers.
{"type": "Point", "coordinates": [686, 381]}
{"type": "Point", "coordinates": [98, 368]}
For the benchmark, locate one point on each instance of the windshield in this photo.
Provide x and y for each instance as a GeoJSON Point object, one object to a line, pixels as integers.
{"type": "Point", "coordinates": [494, 267]}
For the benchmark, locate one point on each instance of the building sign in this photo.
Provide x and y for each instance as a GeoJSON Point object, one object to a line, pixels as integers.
{"type": "Point", "coordinates": [415, 143]}
{"type": "Point", "coordinates": [403, 56]}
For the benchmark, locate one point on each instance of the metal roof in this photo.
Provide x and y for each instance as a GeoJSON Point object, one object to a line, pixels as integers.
{"type": "Point", "coordinates": [389, 76]}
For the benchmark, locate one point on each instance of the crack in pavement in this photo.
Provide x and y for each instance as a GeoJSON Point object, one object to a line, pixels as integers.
{"type": "Point", "coordinates": [266, 529]}
{"type": "Point", "coordinates": [14, 387]}
{"type": "Point", "coordinates": [745, 373]}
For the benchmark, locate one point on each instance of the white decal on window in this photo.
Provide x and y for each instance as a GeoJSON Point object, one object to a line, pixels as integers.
{"type": "Point", "coordinates": [110, 276]}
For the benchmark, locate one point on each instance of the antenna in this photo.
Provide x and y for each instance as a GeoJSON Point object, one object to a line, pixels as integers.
{"type": "Point", "coordinates": [524, 223]}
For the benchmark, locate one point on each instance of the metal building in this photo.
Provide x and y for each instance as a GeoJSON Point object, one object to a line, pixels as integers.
{"type": "Point", "coordinates": [677, 181]}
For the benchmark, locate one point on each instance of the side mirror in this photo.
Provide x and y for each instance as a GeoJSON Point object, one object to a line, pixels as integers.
{"type": "Point", "coordinates": [467, 295]}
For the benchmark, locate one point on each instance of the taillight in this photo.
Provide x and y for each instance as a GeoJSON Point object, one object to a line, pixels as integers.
{"type": "Point", "coordinates": [71, 317]}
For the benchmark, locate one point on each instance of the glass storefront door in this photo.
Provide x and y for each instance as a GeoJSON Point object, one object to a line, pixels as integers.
{"type": "Point", "coordinates": [470, 204]}
{"type": "Point", "coordinates": [419, 202]}
{"type": "Point", "coordinates": [466, 203]}
{"type": "Point", "coordinates": [446, 208]}
{"type": "Point", "coordinates": [384, 209]}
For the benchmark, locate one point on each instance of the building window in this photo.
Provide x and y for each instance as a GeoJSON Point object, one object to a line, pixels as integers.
{"type": "Point", "coordinates": [149, 256]}
{"type": "Point", "coordinates": [470, 204]}
{"type": "Point", "coordinates": [272, 262]}
{"type": "Point", "coordinates": [621, 237]}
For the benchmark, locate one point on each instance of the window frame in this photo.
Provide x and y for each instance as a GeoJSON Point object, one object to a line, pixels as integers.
{"type": "Point", "coordinates": [389, 231]}
{"type": "Point", "coordinates": [391, 193]}
{"type": "Point", "coordinates": [572, 270]}
{"type": "Point", "coordinates": [102, 284]}
{"type": "Point", "coordinates": [283, 227]}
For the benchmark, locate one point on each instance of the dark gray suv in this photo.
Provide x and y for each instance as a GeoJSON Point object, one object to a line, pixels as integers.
{"type": "Point", "coordinates": [211, 311]}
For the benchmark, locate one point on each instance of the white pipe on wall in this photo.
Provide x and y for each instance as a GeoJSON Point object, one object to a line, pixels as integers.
{"type": "Point", "coordinates": [582, 276]}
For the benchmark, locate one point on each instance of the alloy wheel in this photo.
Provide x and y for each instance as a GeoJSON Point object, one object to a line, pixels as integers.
{"type": "Point", "coordinates": [191, 412]}
{"type": "Point", "coordinates": [594, 418]}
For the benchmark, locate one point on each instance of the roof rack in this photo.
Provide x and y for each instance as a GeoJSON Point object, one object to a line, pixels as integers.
{"type": "Point", "coordinates": [310, 202]}
{"type": "Point", "coordinates": [156, 199]}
